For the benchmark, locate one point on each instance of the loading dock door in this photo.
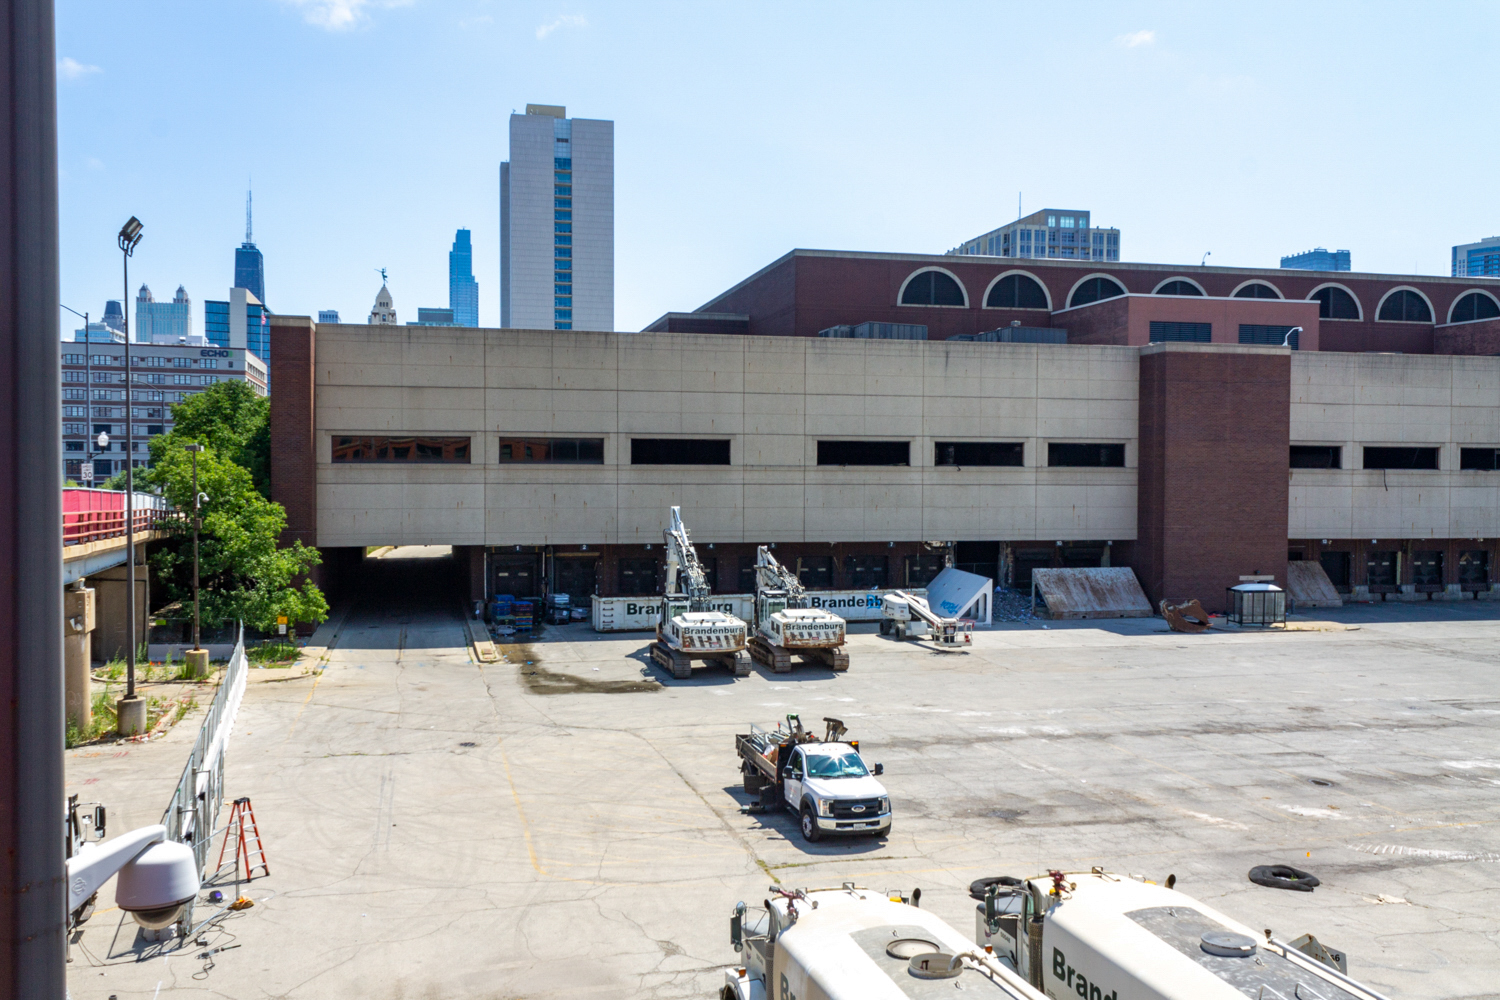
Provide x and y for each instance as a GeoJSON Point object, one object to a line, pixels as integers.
{"type": "Point", "coordinates": [576, 577]}
{"type": "Point", "coordinates": [1336, 565]}
{"type": "Point", "coordinates": [515, 574]}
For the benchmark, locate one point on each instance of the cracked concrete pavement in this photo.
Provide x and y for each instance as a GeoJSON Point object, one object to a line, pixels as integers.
{"type": "Point", "coordinates": [442, 828]}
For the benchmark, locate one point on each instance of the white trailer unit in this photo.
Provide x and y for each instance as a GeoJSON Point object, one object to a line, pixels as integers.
{"type": "Point", "coordinates": [851, 943]}
{"type": "Point", "coordinates": [1114, 937]}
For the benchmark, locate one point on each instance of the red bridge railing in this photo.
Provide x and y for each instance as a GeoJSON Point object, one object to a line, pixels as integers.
{"type": "Point", "coordinates": [94, 515]}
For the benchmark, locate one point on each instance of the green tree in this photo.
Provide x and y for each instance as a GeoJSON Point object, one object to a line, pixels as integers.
{"type": "Point", "coordinates": [229, 418]}
{"type": "Point", "coordinates": [242, 574]}
{"type": "Point", "coordinates": [232, 420]}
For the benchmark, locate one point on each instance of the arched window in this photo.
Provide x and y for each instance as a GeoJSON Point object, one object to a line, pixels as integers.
{"type": "Point", "coordinates": [1257, 291]}
{"type": "Point", "coordinates": [1475, 305]}
{"type": "Point", "coordinates": [1335, 303]}
{"type": "Point", "coordinates": [1094, 289]}
{"type": "Point", "coordinates": [1179, 287]}
{"type": "Point", "coordinates": [1016, 291]}
{"type": "Point", "coordinates": [932, 288]}
{"type": "Point", "coordinates": [1405, 306]}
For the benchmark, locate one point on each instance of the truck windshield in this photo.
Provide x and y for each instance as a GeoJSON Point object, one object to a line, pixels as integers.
{"type": "Point", "coordinates": [846, 765]}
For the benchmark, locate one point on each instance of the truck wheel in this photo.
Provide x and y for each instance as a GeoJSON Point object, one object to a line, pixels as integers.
{"type": "Point", "coordinates": [810, 831]}
{"type": "Point", "coordinates": [885, 626]}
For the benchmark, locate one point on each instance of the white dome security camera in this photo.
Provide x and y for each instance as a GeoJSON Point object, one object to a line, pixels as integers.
{"type": "Point", "coordinates": [158, 878]}
{"type": "Point", "coordinates": [158, 885]}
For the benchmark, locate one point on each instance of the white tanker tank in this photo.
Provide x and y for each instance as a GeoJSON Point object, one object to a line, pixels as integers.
{"type": "Point", "coordinates": [852, 943]}
{"type": "Point", "coordinates": [1100, 936]}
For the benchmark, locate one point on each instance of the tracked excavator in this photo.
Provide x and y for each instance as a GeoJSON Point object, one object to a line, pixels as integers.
{"type": "Point", "coordinates": [786, 623]}
{"type": "Point", "coordinates": [689, 629]}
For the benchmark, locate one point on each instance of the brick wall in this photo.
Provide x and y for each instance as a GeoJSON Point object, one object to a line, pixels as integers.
{"type": "Point", "coordinates": [1212, 503]}
{"type": "Point", "coordinates": [294, 469]}
{"type": "Point", "coordinates": [1480, 337]}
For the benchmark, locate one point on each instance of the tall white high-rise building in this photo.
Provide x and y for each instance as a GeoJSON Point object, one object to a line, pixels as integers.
{"type": "Point", "coordinates": [557, 222]}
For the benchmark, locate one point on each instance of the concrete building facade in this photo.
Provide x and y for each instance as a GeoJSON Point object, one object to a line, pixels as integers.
{"type": "Point", "coordinates": [552, 457]}
{"type": "Point", "coordinates": [557, 222]}
{"type": "Point", "coordinates": [93, 396]}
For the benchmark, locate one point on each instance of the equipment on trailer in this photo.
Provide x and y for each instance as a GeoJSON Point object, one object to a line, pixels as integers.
{"type": "Point", "coordinates": [851, 943]}
{"type": "Point", "coordinates": [786, 623]}
{"type": "Point", "coordinates": [689, 629]}
{"type": "Point", "coordinates": [909, 617]}
{"type": "Point", "coordinates": [825, 782]}
{"type": "Point", "coordinates": [1102, 935]}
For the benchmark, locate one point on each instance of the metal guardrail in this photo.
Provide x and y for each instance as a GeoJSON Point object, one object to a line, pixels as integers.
{"type": "Point", "coordinates": [193, 813]}
{"type": "Point", "coordinates": [91, 515]}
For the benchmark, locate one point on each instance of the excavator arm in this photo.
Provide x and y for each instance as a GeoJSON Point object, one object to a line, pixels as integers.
{"type": "Point", "coordinates": [683, 566]}
{"type": "Point", "coordinates": [771, 575]}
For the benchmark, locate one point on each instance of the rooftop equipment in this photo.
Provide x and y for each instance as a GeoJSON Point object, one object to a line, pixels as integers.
{"type": "Point", "coordinates": [871, 330]}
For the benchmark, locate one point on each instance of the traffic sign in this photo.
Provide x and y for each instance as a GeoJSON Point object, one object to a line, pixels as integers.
{"type": "Point", "coordinates": [86, 471]}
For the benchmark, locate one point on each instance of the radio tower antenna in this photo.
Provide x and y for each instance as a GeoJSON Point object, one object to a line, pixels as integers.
{"type": "Point", "coordinates": [249, 235]}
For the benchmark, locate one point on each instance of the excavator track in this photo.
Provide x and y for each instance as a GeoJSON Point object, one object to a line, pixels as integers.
{"type": "Point", "coordinates": [767, 655]}
{"type": "Point", "coordinates": [835, 659]}
{"type": "Point", "coordinates": [680, 665]}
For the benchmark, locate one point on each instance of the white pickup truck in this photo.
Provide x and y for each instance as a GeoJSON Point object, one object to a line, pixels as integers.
{"type": "Point", "coordinates": [824, 781]}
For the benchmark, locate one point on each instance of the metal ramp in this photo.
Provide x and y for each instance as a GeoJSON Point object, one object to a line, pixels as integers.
{"type": "Point", "coordinates": [1310, 586]}
{"type": "Point", "coordinates": [1092, 592]}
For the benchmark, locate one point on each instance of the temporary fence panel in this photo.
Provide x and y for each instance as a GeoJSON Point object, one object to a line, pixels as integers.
{"type": "Point", "coordinates": [194, 810]}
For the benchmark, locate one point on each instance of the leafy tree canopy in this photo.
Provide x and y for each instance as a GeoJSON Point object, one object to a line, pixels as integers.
{"type": "Point", "coordinates": [229, 418]}
{"type": "Point", "coordinates": [242, 574]}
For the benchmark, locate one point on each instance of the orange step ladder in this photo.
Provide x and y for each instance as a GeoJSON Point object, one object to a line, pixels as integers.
{"type": "Point", "coordinates": [242, 835]}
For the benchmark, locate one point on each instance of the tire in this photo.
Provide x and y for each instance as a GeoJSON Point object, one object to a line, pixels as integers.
{"type": "Point", "coordinates": [1283, 877]}
{"type": "Point", "coordinates": [810, 831]}
{"type": "Point", "coordinates": [885, 626]}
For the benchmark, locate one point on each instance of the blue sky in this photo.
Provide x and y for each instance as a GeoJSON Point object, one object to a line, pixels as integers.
{"type": "Point", "coordinates": [374, 128]}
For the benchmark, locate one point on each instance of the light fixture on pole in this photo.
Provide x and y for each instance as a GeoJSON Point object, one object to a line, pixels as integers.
{"type": "Point", "coordinates": [1293, 332]}
{"type": "Point", "coordinates": [88, 378]}
{"type": "Point", "coordinates": [131, 709]}
{"type": "Point", "coordinates": [197, 657]}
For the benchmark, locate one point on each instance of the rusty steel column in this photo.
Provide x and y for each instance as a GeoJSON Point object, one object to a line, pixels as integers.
{"type": "Point", "coordinates": [32, 880]}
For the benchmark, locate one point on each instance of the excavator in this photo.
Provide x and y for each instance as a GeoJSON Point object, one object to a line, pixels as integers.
{"type": "Point", "coordinates": [786, 623]}
{"type": "Point", "coordinates": [689, 629]}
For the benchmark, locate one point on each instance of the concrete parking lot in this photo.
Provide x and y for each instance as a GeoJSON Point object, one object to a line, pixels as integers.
{"type": "Point", "coordinates": [569, 822]}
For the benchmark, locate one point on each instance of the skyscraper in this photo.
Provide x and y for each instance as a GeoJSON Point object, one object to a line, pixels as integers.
{"type": "Point", "coordinates": [249, 265]}
{"type": "Point", "coordinates": [1052, 232]}
{"type": "Point", "coordinates": [162, 322]}
{"type": "Point", "coordinates": [242, 322]}
{"type": "Point", "coordinates": [1477, 260]}
{"type": "Point", "coordinates": [1317, 259]}
{"type": "Point", "coordinates": [557, 222]}
{"type": "Point", "coordinates": [463, 290]}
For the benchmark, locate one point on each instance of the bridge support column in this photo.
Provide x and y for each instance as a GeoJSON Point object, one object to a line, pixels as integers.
{"type": "Point", "coordinates": [110, 587]}
{"type": "Point", "coordinates": [78, 632]}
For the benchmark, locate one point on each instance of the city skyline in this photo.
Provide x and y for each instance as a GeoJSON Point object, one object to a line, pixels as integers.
{"type": "Point", "coordinates": [728, 175]}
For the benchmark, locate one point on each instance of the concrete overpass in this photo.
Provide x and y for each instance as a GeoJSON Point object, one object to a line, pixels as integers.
{"type": "Point", "coordinates": [95, 576]}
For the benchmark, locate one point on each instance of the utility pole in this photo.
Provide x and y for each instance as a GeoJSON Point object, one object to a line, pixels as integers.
{"type": "Point", "coordinates": [197, 657]}
{"type": "Point", "coordinates": [130, 711]}
{"type": "Point", "coordinates": [33, 880]}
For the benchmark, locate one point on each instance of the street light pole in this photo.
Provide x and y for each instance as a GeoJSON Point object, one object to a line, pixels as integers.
{"type": "Point", "coordinates": [88, 379]}
{"type": "Point", "coordinates": [131, 709]}
{"type": "Point", "coordinates": [197, 657]}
